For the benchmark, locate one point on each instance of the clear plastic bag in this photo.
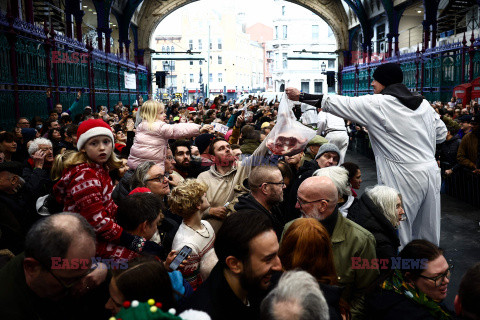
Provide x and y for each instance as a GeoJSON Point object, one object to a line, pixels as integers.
{"type": "Point", "coordinates": [289, 136]}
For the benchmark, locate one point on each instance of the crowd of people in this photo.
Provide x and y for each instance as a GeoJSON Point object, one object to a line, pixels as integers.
{"type": "Point", "coordinates": [96, 206]}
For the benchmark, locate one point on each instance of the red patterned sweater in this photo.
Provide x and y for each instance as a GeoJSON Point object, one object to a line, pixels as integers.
{"type": "Point", "coordinates": [87, 189]}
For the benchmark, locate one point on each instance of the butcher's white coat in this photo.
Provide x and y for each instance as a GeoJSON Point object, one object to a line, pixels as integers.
{"type": "Point", "coordinates": [403, 141]}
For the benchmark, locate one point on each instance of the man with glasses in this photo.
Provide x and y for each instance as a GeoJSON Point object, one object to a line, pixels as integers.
{"type": "Point", "coordinates": [266, 193]}
{"type": "Point", "coordinates": [34, 287]}
{"type": "Point", "coordinates": [317, 198]}
{"type": "Point", "coordinates": [23, 123]}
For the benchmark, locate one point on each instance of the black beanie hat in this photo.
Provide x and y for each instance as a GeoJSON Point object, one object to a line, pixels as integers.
{"type": "Point", "coordinates": [388, 73]}
{"type": "Point", "coordinates": [203, 141]}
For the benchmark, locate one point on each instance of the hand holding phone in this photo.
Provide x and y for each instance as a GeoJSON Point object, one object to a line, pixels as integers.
{"type": "Point", "coordinates": [182, 255]}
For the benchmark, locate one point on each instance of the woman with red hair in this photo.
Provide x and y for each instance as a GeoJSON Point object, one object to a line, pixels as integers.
{"type": "Point", "coordinates": [306, 245]}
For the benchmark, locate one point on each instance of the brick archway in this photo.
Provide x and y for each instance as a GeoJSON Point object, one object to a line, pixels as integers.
{"type": "Point", "coordinates": [332, 11]}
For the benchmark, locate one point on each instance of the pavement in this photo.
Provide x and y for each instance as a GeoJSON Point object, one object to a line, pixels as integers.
{"type": "Point", "coordinates": [460, 227]}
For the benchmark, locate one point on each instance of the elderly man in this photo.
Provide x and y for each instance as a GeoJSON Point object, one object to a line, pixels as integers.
{"type": "Point", "coordinates": [266, 193]}
{"type": "Point", "coordinates": [328, 155]}
{"type": "Point", "coordinates": [317, 198]}
{"type": "Point", "coordinates": [404, 131]}
{"type": "Point", "coordinates": [57, 264]}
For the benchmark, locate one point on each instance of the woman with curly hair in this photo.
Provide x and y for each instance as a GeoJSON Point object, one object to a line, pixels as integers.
{"type": "Point", "coordinates": [189, 201]}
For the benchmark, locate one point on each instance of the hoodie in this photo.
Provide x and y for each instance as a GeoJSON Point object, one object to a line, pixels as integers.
{"type": "Point", "coordinates": [411, 100]}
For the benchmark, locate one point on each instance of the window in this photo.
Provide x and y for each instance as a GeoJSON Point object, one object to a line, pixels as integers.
{"type": "Point", "coordinates": [199, 44]}
{"type": "Point", "coordinates": [211, 45]}
{"type": "Point", "coordinates": [191, 77]}
{"type": "Point", "coordinates": [172, 49]}
{"type": "Point", "coordinates": [283, 10]}
{"type": "Point", "coordinates": [284, 32]}
{"type": "Point", "coordinates": [277, 57]}
{"type": "Point", "coordinates": [163, 49]}
{"type": "Point", "coordinates": [276, 32]}
{"type": "Point", "coordinates": [220, 44]}
{"type": "Point", "coordinates": [168, 49]}
{"type": "Point", "coordinates": [191, 62]}
{"type": "Point", "coordinates": [200, 62]}
{"type": "Point", "coordinates": [210, 77]}
{"type": "Point", "coordinates": [318, 86]}
{"type": "Point", "coordinates": [219, 59]}
{"type": "Point", "coordinates": [220, 77]}
{"type": "Point", "coordinates": [305, 86]}
{"type": "Point", "coordinates": [284, 59]}
{"type": "Point", "coordinates": [315, 36]}
{"type": "Point", "coordinates": [331, 64]}
{"type": "Point", "coordinates": [190, 44]}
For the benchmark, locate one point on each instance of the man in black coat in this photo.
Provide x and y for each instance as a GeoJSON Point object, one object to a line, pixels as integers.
{"type": "Point", "coordinates": [247, 251]}
{"type": "Point", "coordinates": [266, 193]}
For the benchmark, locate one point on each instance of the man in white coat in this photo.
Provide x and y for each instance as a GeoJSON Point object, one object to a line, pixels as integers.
{"type": "Point", "coordinates": [404, 130]}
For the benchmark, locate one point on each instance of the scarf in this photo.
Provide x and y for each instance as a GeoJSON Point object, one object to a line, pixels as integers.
{"type": "Point", "coordinates": [396, 283]}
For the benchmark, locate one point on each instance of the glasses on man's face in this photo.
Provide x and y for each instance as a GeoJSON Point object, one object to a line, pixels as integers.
{"type": "Point", "coordinates": [439, 279]}
{"type": "Point", "coordinates": [66, 284]}
{"type": "Point", "coordinates": [276, 183]}
{"type": "Point", "coordinates": [302, 202]}
{"type": "Point", "coordinates": [160, 178]}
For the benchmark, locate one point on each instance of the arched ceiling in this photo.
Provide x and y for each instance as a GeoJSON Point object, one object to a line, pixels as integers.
{"type": "Point", "coordinates": [154, 11]}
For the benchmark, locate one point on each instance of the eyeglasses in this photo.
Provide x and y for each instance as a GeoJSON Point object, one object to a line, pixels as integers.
{"type": "Point", "coordinates": [160, 178]}
{"type": "Point", "coordinates": [301, 202]}
{"type": "Point", "coordinates": [280, 183]}
{"type": "Point", "coordinates": [446, 274]}
{"type": "Point", "coordinates": [71, 282]}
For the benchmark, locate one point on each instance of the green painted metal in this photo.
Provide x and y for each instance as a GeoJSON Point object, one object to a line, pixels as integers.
{"type": "Point", "coordinates": [7, 112]}
{"type": "Point", "coordinates": [5, 72]}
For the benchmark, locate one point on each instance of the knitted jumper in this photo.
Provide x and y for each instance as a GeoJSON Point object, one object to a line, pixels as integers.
{"type": "Point", "coordinates": [87, 189]}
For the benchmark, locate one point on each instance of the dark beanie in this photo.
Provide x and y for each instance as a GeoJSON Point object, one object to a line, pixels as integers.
{"type": "Point", "coordinates": [203, 141]}
{"type": "Point", "coordinates": [388, 73]}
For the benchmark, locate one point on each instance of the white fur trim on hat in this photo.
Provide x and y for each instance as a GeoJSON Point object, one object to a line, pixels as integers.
{"type": "Point", "coordinates": [94, 132]}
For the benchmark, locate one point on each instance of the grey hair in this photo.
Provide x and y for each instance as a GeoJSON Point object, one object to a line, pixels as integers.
{"type": "Point", "coordinates": [385, 198]}
{"type": "Point", "coordinates": [339, 176]}
{"type": "Point", "coordinates": [299, 292]}
{"type": "Point", "coordinates": [47, 239]}
{"type": "Point", "coordinates": [34, 145]}
{"type": "Point", "coordinates": [140, 176]}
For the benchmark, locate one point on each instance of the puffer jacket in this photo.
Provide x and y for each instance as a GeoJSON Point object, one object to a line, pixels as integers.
{"type": "Point", "coordinates": [152, 144]}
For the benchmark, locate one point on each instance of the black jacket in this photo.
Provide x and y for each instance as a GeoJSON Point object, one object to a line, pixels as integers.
{"type": "Point", "coordinates": [447, 153]}
{"type": "Point", "coordinates": [332, 295]}
{"type": "Point", "coordinates": [389, 305]}
{"type": "Point", "coordinates": [216, 298]}
{"type": "Point", "coordinates": [369, 216]}
{"type": "Point", "coordinates": [304, 172]}
{"type": "Point", "coordinates": [248, 202]}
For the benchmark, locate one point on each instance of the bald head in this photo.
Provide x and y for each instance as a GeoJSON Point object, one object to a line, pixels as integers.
{"type": "Point", "coordinates": [318, 197]}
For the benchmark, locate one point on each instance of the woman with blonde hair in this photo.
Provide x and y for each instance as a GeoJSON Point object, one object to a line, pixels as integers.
{"type": "Point", "coordinates": [153, 133]}
{"type": "Point", "coordinates": [189, 200]}
{"type": "Point", "coordinates": [306, 245]}
{"type": "Point", "coordinates": [380, 211]}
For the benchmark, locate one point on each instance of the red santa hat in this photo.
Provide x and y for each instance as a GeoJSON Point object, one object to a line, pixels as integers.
{"type": "Point", "coordinates": [92, 128]}
{"type": "Point", "coordinates": [140, 190]}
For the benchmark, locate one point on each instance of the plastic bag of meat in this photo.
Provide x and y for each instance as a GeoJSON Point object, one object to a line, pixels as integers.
{"type": "Point", "coordinates": [289, 136]}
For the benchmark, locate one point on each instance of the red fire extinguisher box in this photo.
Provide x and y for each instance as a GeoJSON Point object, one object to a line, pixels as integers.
{"type": "Point", "coordinates": [463, 93]}
{"type": "Point", "coordinates": [476, 90]}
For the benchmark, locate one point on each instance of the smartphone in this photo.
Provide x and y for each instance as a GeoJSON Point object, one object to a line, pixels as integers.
{"type": "Point", "coordinates": [182, 255]}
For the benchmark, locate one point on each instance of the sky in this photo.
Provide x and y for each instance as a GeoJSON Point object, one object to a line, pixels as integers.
{"type": "Point", "coordinates": [255, 11]}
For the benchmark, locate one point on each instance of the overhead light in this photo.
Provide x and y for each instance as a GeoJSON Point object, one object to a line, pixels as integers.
{"type": "Point", "coordinates": [85, 6]}
{"type": "Point", "coordinates": [114, 25]}
{"type": "Point", "coordinates": [419, 11]}
{"type": "Point", "coordinates": [94, 13]}
{"type": "Point", "coordinates": [90, 10]}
